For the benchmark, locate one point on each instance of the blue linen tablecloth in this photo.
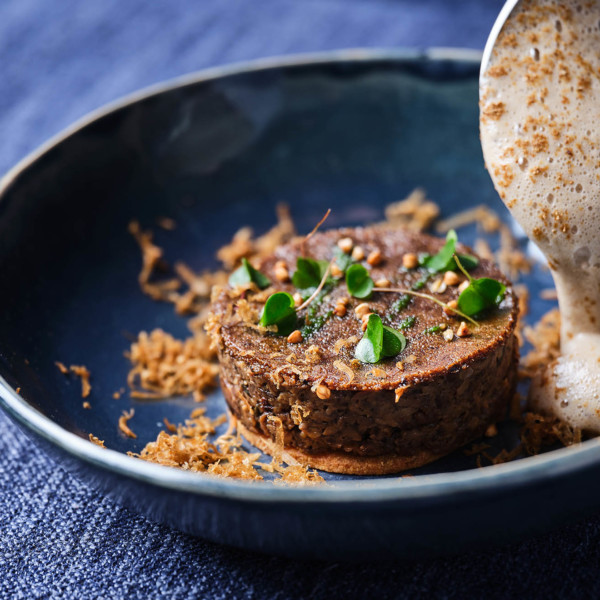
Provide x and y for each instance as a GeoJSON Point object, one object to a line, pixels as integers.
{"type": "Point", "coordinates": [63, 58]}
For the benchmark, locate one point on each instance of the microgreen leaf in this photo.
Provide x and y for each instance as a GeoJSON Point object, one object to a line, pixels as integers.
{"type": "Point", "coordinates": [393, 342]}
{"type": "Point", "coordinates": [480, 295]}
{"type": "Point", "coordinates": [342, 260]}
{"type": "Point", "coordinates": [309, 272]}
{"type": "Point", "coordinates": [368, 350]}
{"type": "Point", "coordinates": [444, 260]}
{"type": "Point", "coordinates": [246, 273]}
{"type": "Point", "coordinates": [359, 284]}
{"type": "Point", "coordinates": [439, 261]}
{"type": "Point", "coordinates": [468, 262]}
{"type": "Point", "coordinates": [279, 310]}
{"type": "Point", "coordinates": [379, 341]}
{"type": "Point", "coordinates": [423, 258]}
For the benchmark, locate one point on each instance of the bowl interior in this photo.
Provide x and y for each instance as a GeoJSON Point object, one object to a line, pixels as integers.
{"type": "Point", "coordinates": [215, 155]}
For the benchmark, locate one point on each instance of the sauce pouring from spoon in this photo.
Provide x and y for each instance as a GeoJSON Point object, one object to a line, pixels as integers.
{"type": "Point", "coordinates": [540, 133]}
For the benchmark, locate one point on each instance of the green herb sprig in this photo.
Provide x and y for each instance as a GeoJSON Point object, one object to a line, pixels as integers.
{"type": "Point", "coordinates": [444, 260]}
{"type": "Point", "coordinates": [379, 341]}
{"type": "Point", "coordinates": [407, 323]}
{"type": "Point", "coordinates": [432, 329]}
{"type": "Point", "coordinates": [246, 273]}
{"type": "Point", "coordinates": [459, 312]}
{"type": "Point", "coordinates": [481, 294]}
{"type": "Point", "coordinates": [309, 273]}
{"type": "Point", "coordinates": [358, 281]}
{"type": "Point", "coordinates": [400, 304]}
{"type": "Point", "coordinates": [279, 310]}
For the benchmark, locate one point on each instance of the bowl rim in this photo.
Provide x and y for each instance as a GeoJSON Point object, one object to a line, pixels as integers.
{"type": "Point", "coordinates": [528, 471]}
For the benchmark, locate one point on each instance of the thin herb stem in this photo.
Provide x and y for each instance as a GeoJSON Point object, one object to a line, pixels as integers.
{"type": "Point", "coordinates": [428, 297]}
{"type": "Point", "coordinates": [460, 266]}
{"type": "Point", "coordinates": [314, 230]}
{"type": "Point", "coordinates": [319, 288]}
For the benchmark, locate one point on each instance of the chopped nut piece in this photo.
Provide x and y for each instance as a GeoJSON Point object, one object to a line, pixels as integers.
{"type": "Point", "coordinates": [340, 310]}
{"type": "Point", "coordinates": [377, 373]}
{"type": "Point", "coordinates": [86, 405]}
{"type": "Point", "coordinates": [383, 283]}
{"type": "Point", "coordinates": [297, 299]}
{"type": "Point", "coordinates": [410, 261]}
{"type": "Point", "coordinates": [448, 335]}
{"type": "Point", "coordinates": [362, 309]}
{"type": "Point", "coordinates": [282, 274]}
{"type": "Point", "coordinates": [344, 300]}
{"type": "Point", "coordinates": [400, 365]}
{"type": "Point", "coordinates": [374, 257]}
{"type": "Point", "coordinates": [398, 392]}
{"type": "Point", "coordinates": [281, 264]}
{"type": "Point", "coordinates": [295, 337]}
{"type": "Point", "coordinates": [448, 309]}
{"type": "Point", "coordinates": [364, 325]}
{"type": "Point", "coordinates": [463, 330]}
{"type": "Point", "coordinates": [358, 253]}
{"type": "Point", "coordinates": [438, 286]}
{"type": "Point", "coordinates": [451, 278]}
{"type": "Point", "coordinates": [313, 354]}
{"type": "Point", "coordinates": [336, 271]}
{"type": "Point", "coordinates": [463, 286]}
{"type": "Point", "coordinates": [365, 318]}
{"type": "Point", "coordinates": [323, 392]}
{"type": "Point", "coordinates": [491, 431]}
{"type": "Point", "coordinates": [443, 326]}
{"type": "Point", "coordinates": [345, 245]}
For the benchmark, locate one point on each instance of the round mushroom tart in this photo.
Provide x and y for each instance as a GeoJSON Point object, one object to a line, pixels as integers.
{"type": "Point", "coordinates": [386, 381]}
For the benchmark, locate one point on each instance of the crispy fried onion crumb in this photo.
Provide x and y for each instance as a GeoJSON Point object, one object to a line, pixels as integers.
{"type": "Point", "coordinates": [522, 293]}
{"type": "Point", "coordinates": [415, 212]}
{"type": "Point", "coordinates": [243, 246]}
{"type": "Point", "coordinates": [81, 372]}
{"type": "Point", "coordinates": [61, 367]}
{"type": "Point", "coordinates": [123, 426]}
{"type": "Point", "coordinates": [544, 338]}
{"type": "Point", "coordinates": [483, 215]}
{"type": "Point", "coordinates": [345, 369]}
{"type": "Point", "coordinates": [163, 366]}
{"type": "Point", "coordinates": [160, 283]}
{"type": "Point", "coordinates": [84, 374]}
{"type": "Point", "coordinates": [190, 447]}
{"type": "Point", "coordinates": [96, 441]}
{"type": "Point", "coordinates": [539, 431]}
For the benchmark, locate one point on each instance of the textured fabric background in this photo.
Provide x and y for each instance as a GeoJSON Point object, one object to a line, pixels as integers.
{"type": "Point", "coordinates": [62, 58]}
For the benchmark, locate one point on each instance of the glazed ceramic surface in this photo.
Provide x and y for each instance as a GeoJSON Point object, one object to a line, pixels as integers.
{"type": "Point", "coordinates": [352, 131]}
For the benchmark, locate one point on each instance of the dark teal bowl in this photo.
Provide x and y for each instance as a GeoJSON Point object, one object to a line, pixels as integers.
{"type": "Point", "coordinates": [353, 131]}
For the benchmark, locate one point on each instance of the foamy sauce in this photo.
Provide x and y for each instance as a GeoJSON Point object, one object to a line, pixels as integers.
{"type": "Point", "coordinates": [540, 132]}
